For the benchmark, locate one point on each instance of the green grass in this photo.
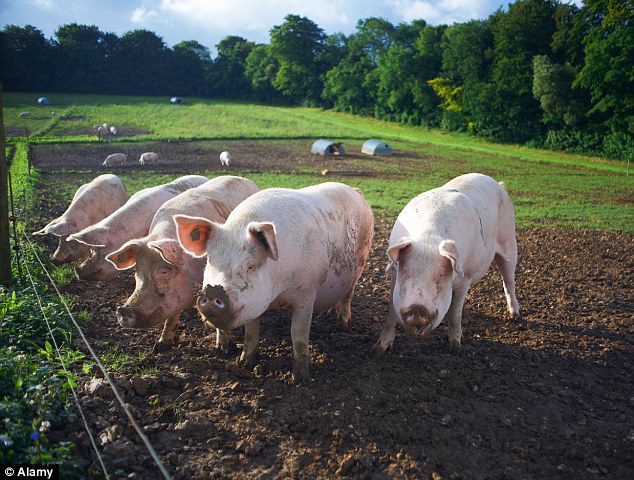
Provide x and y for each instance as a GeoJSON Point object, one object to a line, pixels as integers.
{"type": "Point", "coordinates": [548, 188]}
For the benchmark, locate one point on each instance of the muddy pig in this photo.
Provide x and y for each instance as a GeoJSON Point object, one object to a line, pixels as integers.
{"type": "Point", "coordinates": [443, 242]}
{"type": "Point", "coordinates": [303, 250]}
{"type": "Point", "coordinates": [167, 279]}
{"type": "Point", "coordinates": [92, 202]}
{"type": "Point", "coordinates": [130, 221]}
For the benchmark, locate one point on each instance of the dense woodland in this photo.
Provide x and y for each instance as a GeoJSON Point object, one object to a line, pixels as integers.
{"type": "Point", "coordinates": [543, 72]}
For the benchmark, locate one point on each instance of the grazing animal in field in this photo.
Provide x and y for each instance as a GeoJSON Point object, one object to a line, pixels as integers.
{"type": "Point", "coordinates": [225, 159]}
{"type": "Point", "coordinates": [148, 157]}
{"type": "Point", "coordinates": [166, 277]}
{"type": "Point", "coordinates": [303, 250]}
{"type": "Point", "coordinates": [24, 115]}
{"type": "Point", "coordinates": [92, 202]}
{"type": "Point", "coordinates": [443, 242]}
{"type": "Point", "coordinates": [132, 220]}
{"type": "Point", "coordinates": [115, 159]}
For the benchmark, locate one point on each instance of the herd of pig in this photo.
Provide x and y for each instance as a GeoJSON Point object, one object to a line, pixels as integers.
{"type": "Point", "coordinates": [234, 251]}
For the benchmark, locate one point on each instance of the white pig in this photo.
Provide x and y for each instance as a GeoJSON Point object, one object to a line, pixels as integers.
{"type": "Point", "coordinates": [302, 250]}
{"type": "Point", "coordinates": [115, 159]}
{"type": "Point", "coordinates": [443, 242]}
{"type": "Point", "coordinates": [92, 202]}
{"type": "Point", "coordinates": [130, 221]}
{"type": "Point", "coordinates": [148, 157]}
{"type": "Point", "coordinates": [225, 159]}
{"type": "Point", "coordinates": [167, 279]}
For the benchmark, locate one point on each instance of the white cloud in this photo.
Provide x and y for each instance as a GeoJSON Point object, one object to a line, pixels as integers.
{"type": "Point", "coordinates": [444, 11]}
{"type": "Point", "coordinates": [141, 15]}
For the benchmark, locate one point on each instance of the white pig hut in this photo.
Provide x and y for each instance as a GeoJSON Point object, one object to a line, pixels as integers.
{"type": "Point", "coordinates": [376, 147]}
{"type": "Point", "coordinates": [326, 148]}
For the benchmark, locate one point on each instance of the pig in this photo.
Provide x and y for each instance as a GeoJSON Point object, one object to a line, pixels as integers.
{"type": "Point", "coordinates": [442, 242]}
{"type": "Point", "coordinates": [115, 159]}
{"type": "Point", "coordinates": [92, 202]}
{"type": "Point", "coordinates": [148, 157]}
{"type": "Point", "coordinates": [167, 279]}
{"type": "Point", "coordinates": [225, 159]}
{"type": "Point", "coordinates": [302, 250]}
{"type": "Point", "coordinates": [130, 221]}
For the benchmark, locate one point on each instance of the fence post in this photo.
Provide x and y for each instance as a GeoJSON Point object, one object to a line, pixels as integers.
{"type": "Point", "coordinates": [5, 245]}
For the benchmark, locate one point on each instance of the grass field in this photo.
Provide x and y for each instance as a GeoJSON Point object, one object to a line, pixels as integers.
{"type": "Point", "coordinates": [548, 188]}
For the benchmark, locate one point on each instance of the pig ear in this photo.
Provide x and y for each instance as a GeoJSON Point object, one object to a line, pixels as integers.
{"type": "Point", "coordinates": [170, 251]}
{"type": "Point", "coordinates": [395, 252]}
{"type": "Point", "coordinates": [59, 229]}
{"type": "Point", "coordinates": [93, 237]}
{"type": "Point", "coordinates": [194, 233]}
{"type": "Point", "coordinates": [125, 257]}
{"type": "Point", "coordinates": [447, 248]}
{"type": "Point", "coordinates": [263, 234]}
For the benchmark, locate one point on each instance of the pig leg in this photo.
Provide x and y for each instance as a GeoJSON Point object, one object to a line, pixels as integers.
{"type": "Point", "coordinates": [454, 318]}
{"type": "Point", "coordinates": [506, 260]}
{"type": "Point", "coordinates": [342, 311]}
{"type": "Point", "coordinates": [168, 335]}
{"type": "Point", "coordinates": [300, 332]}
{"type": "Point", "coordinates": [389, 330]}
{"type": "Point", "coordinates": [251, 343]}
{"type": "Point", "coordinates": [224, 341]}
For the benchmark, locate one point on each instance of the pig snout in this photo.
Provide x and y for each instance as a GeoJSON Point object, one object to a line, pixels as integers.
{"type": "Point", "coordinates": [214, 305]}
{"type": "Point", "coordinates": [126, 317]}
{"type": "Point", "coordinates": [418, 320]}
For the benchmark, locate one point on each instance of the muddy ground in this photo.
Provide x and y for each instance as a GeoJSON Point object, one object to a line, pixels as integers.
{"type": "Point", "coordinates": [547, 396]}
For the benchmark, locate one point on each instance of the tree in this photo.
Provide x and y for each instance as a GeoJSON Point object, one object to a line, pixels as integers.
{"type": "Point", "coordinates": [261, 69]}
{"type": "Point", "coordinates": [27, 59]}
{"type": "Point", "coordinates": [524, 31]}
{"type": "Point", "coordinates": [297, 45]}
{"type": "Point", "coordinates": [227, 77]}
{"type": "Point", "coordinates": [608, 69]}
{"type": "Point", "coordinates": [190, 63]}
{"type": "Point", "coordinates": [141, 64]}
{"type": "Point", "coordinates": [80, 50]}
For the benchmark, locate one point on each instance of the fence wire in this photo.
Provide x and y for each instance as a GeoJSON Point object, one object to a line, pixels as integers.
{"type": "Point", "coordinates": [117, 395]}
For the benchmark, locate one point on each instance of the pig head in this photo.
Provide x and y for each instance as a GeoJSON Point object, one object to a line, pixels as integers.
{"type": "Point", "coordinates": [166, 281]}
{"type": "Point", "coordinates": [245, 289]}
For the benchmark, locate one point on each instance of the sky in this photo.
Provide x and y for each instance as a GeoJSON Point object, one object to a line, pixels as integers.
{"type": "Point", "coordinates": [209, 21]}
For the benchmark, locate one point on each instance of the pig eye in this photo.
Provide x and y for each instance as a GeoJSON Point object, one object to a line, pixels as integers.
{"type": "Point", "coordinates": [251, 267]}
{"type": "Point", "coordinates": [163, 272]}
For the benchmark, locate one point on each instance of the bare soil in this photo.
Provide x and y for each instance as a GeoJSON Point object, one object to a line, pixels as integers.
{"type": "Point", "coordinates": [547, 396]}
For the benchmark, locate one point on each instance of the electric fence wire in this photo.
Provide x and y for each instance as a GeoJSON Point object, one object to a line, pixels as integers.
{"type": "Point", "coordinates": [133, 422]}
{"type": "Point", "coordinates": [68, 375]}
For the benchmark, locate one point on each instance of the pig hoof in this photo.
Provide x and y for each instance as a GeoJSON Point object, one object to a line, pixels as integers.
{"type": "Point", "coordinates": [378, 351]}
{"type": "Point", "coordinates": [301, 374]}
{"type": "Point", "coordinates": [162, 346]}
{"type": "Point", "coordinates": [454, 346]}
{"type": "Point", "coordinates": [247, 361]}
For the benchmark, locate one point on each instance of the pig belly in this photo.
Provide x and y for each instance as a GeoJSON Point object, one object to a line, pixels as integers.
{"type": "Point", "coordinates": [333, 290]}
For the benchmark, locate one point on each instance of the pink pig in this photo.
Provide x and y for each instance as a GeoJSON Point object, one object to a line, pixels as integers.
{"type": "Point", "coordinates": [303, 250]}
{"type": "Point", "coordinates": [132, 220]}
{"type": "Point", "coordinates": [167, 279]}
{"type": "Point", "coordinates": [443, 242]}
{"type": "Point", "coordinates": [92, 202]}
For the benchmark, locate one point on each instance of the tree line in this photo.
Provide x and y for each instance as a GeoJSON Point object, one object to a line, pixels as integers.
{"type": "Point", "coordinates": [543, 73]}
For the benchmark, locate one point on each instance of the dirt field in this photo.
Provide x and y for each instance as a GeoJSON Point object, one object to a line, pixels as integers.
{"type": "Point", "coordinates": [548, 396]}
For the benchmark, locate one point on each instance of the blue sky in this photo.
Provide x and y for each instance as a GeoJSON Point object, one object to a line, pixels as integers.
{"type": "Point", "coordinates": [209, 21]}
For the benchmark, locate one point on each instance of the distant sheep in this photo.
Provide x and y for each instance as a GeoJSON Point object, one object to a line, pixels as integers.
{"type": "Point", "coordinates": [115, 159]}
{"type": "Point", "coordinates": [148, 157]}
{"type": "Point", "coordinates": [225, 158]}
{"type": "Point", "coordinates": [24, 115]}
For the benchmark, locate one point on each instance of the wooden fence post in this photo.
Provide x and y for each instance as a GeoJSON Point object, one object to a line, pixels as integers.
{"type": "Point", "coordinates": [5, 244]}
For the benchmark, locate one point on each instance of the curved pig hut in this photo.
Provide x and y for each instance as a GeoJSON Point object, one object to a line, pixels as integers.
{"type": "Point", "coordinates": [326, 148]}
{"type": "Point", "coordinates": [376, 147]}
